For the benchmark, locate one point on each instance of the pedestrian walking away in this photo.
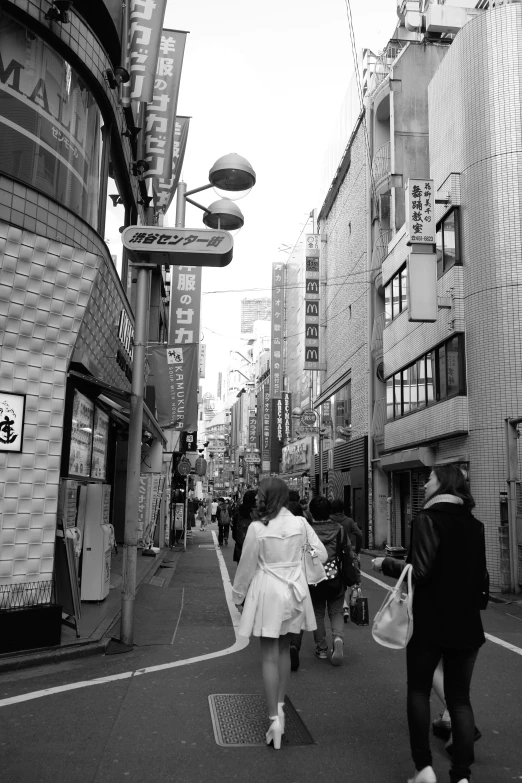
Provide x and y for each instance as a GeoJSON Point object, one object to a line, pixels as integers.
{"type": "Point", "coordinates": [271, 591]}
{"type": "Point", "coordinates": [241, 522]}
{"type": "Point", "coordinates": [223, 520]}
{"type": "Point", "coordinates": [213, 509]}
{"type": "Point", "coordinates": [448, 557]}
{"type": "Point", "coordinates": [329, 594]}
{"type": "Point", "coordinates": [354, 534]}
{"type": "Point", "coordinates": [201, 516]}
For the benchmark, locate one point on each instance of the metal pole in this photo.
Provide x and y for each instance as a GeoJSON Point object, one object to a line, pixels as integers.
{"type": "Point", "coordinates": [320, 464]}
{"type": "Point", "coordinates": [186, 514]}
{"type": "Point", "coordinates": [512, 466]}
{"type": "Point", "coordinates": [181, 204]}
{"type": "Point", "coordinates": [130, 546]}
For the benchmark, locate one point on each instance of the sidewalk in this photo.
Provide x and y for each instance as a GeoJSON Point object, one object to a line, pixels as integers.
{"type": "Point", "coordinates": [94, 623]}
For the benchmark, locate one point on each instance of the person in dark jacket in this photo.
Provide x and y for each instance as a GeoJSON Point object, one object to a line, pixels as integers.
{"type": "Point", "coordinates": [329, 594]}
{"type": "Point", "coordinates": [448, 556]}
{"type": "Point", "coordinates": [241, 520]}
{"type": "Point", "coordinates": [352, 530]}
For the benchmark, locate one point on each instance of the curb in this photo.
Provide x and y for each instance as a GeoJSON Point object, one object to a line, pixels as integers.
{"type": "Point", "coordinates": [25, 659]}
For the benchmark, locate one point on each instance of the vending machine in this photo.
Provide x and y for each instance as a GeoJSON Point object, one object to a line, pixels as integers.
{"type": "Point", "coordinates": [96, 561]}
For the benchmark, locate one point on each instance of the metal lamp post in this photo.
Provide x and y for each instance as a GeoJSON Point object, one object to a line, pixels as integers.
{"type": "Point", "coordinates": [232, 174]}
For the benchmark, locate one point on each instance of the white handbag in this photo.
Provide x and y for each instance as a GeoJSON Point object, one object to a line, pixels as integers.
{"type": "Point", "coordinates": [393, 624]}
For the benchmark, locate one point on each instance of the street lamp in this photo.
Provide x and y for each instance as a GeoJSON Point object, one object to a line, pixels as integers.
{"type": "Point", "coordinates": [230, 173]}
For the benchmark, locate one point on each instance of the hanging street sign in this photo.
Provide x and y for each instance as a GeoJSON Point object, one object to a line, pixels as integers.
{"type": "Point", "coordinates": [184, 467]}
{"type": "Point", "coordinates": [309, 417]}
{"type": "Point", "coordinates": [252, 459]}
{"type": "Point", "coordinates": [173, 246]}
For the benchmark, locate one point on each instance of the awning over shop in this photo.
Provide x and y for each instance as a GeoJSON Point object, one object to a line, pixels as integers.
{"type": "Point", "coordinates": [421, 457]}
{"type": "Point", "coordinates": [119, 401]}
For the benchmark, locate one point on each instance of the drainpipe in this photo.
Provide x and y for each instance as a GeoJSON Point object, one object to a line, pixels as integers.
{"type": "Point", "coordinates": [370, 310]}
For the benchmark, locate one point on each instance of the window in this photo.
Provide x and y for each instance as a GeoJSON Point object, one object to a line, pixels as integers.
{"type": "Point", "coordinates": [340, 410]}
{"type": "Point", "coordinates": [448, 242]}
{"type": "Point", "coordinates": [437, 375]}
{"type": "Point", "coordinates": [396, 295]}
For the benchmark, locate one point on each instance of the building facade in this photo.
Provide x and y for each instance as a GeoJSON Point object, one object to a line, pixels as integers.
{"type": "Point", "coordinates": [254, 310]}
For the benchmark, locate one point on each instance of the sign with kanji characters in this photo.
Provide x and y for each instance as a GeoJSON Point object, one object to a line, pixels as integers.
{"type": "Point", "coordinates": [312, 302]}
{"type": "Point", "coordinates": [12, 412]}
{"type": "Point", "coordinates": [195, 246]}
{"type": "Point", "coordinates": [185, 304]}
{"type": "Point", "coordinates": [176, 384]}
{"type": "Point", "coordinates": [202, 359]}
{"type": "Point", "coordinates": [420, 211]}
{"type": "Point", "coordinates": [189, 441]}
{"type": "Point", "coordinates": [276, 357]}
{"type": "Point", "coordinates": [145, 23]}
{"type": "Point", "coordinates": [266, 423]}
{"type": "Point", "coordinates": [164, 188]}
{"type": "Point", "coordinates": [160, 115]}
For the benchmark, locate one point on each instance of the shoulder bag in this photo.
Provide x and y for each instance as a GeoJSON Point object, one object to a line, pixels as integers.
{"type": "Point", "coordinates": [393, 624]}
{"type": "Point", "coordinates": [313, 568]}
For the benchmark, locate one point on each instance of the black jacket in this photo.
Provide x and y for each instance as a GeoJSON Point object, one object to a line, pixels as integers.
{"type": "Point", "coordinates": [352, 530]}
{"type": "Point", "coordinates": [448, 556]}
{"type": "Point", "coordinates": [240, 524]}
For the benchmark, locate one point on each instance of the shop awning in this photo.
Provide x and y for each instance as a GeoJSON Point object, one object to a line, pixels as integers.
{"type": "Point", "coordinates": [420, 457]}
{"type": "Point", "coordinates": [119, 400]}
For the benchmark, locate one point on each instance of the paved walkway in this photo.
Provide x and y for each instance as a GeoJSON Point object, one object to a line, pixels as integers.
{"type": "Point", "coordinates": [144, 716]}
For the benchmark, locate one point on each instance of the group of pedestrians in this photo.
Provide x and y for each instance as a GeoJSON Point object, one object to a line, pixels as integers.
{"type": "Point", "coordinates": [447, 554]}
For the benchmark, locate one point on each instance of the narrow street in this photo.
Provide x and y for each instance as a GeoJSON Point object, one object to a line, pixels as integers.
{"type": "Point", "coordinates": [147, 724]}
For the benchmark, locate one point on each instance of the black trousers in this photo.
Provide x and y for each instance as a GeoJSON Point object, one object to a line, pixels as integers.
{"type": "Point", "coordinates": [223, 531]}
{"type": "Point", "coordinates": [421, 661]}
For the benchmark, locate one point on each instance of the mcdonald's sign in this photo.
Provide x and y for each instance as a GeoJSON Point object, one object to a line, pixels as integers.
{"type": "Point", "coordinates": [312, 303]}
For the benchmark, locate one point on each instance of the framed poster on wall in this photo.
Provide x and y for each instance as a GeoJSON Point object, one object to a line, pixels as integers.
{"type": "Point", "coordinates": [81, 436]}
{"type": "Point", "coordinates": [100, 438]}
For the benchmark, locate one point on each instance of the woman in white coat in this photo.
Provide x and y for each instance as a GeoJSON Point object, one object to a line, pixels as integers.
{"type": "Point", "coordinates": [270, 589]}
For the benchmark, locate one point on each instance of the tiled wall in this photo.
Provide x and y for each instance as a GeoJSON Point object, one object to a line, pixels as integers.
{"type": "Point", "coordinates": [45, 286]}
{"type": "Point", "coordinates": [476, 129]}
{"type": "Point", "coordinates": [428, 424]}
{"type": "Point", "coordinates": [346, 333]}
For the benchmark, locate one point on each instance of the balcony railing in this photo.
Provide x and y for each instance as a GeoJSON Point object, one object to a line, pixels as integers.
{"type": "Point", "coordinates": [379, 419]}
{"type": "Point", "coordinates": [382, 66]}
{"type": "Point", "coordinates": [381, 163]}
{"type": "Point", "coordinates": [378, 329]}
{"type": "Point", "coordinates": [380, 249]}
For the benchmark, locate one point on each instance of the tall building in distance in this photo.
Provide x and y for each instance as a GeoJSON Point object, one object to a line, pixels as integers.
{"type": "Point", "coordinates": [254, 310]}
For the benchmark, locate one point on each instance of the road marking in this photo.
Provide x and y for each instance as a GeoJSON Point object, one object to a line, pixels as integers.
{"type": "Point", "coordinates": [240, 643]}
{"type": "Point", "coordinates": [491, 638]}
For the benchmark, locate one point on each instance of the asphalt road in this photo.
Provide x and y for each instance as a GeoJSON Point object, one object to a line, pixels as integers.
{"type": "Point", "coordinates": [155, 726]}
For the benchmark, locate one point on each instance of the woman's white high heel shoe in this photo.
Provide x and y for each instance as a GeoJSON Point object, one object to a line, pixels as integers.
{"type": "Point", "coordinates": [275, 732]}
{"type": "Point", "coordinates": [426, 775]}
{"type": "Point", "coordinates": [281, 715]}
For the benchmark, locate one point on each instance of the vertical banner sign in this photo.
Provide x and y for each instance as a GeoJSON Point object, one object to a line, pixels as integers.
{"type": "Point", "coordinates": [164, 188]}
{"type": "Point", "coordinates": [266, 428]}
{"type": "Point", "coordinates": [176, 383]}
{"type": "Point", "coordinates": [312, 302]}
{"type": "Point", "coordinates": [252, 430]}
{"type": "Point", "coordinates": [160, 116]}
{"type": "Point", "coordinates": [276, 363]}
{"type": "Point", "coordinates": [185, 304]}
{"type": "Point", "coordinates": [202, 359]}
{"type": "Point", "coordinates": [144, 503]}
{"type": "Point", "coordinates": [146, 21]}
{"type": "Point", "coordinates": [287, 416]}
{"type": "Point", "coordinates": [420, 211]}
{"type": "Point", "coordinates": [276, 435]}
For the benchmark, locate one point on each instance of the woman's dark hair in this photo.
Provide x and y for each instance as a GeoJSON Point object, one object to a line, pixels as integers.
{"type": "Point", "coordinates": [452, 482]}
{"type": "Point", "coordinates": [249, 498]}
{"type": "Point", "coordinates": [295, 508]}
{"type": "Point", "coordinates": [271, 497]}
{"type": "Point", "coordinates": [320, 508]}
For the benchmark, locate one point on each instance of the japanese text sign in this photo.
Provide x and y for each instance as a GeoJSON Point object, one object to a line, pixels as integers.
{"type": "Point", "coordinates": [145, 23]}
{"type": "Point", "coordinates": [196, 246]}
{"type": "Point", "coordinates": [164, 188]}
{"type": "Point", "coordinates": [160, 116]}
{"type": "Point", "coordinates": [312, 301]}
{"type": "Point", "coordinates": [185, 305]}
{"type": "Point", "coordinates": [252, 429]}
{"type": "Point", "coordinates": [420, 211]}
{"type": "Point", "coordinates": [266, 422]}
{"type": "Point", "coordinates": [276, 357]}
{"type": "Point", "coordinates": [12, 410]}
{"type": "Point", "coordinates": [176, 383]}
{"type": "Point", "coordinates": [202, 359]}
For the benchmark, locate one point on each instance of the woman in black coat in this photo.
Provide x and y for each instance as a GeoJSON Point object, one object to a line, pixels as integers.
{"type": "Point", "coordinates": [241, 520]}
{"type": "Point", "coordinates": [448, 556]}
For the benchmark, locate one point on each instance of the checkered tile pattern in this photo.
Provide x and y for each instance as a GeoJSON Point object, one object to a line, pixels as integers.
{"type": "Point", "coordinates": [44, 290]}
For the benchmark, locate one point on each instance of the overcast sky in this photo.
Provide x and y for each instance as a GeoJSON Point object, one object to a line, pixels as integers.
{"type": "Point", "coordinates": [265, 80]}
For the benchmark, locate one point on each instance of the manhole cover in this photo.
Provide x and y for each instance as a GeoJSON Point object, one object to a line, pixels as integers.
{"type": "Point", "coordinates": [158, 581]}
{"type": "Point", "coordinates": [241, 719]}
